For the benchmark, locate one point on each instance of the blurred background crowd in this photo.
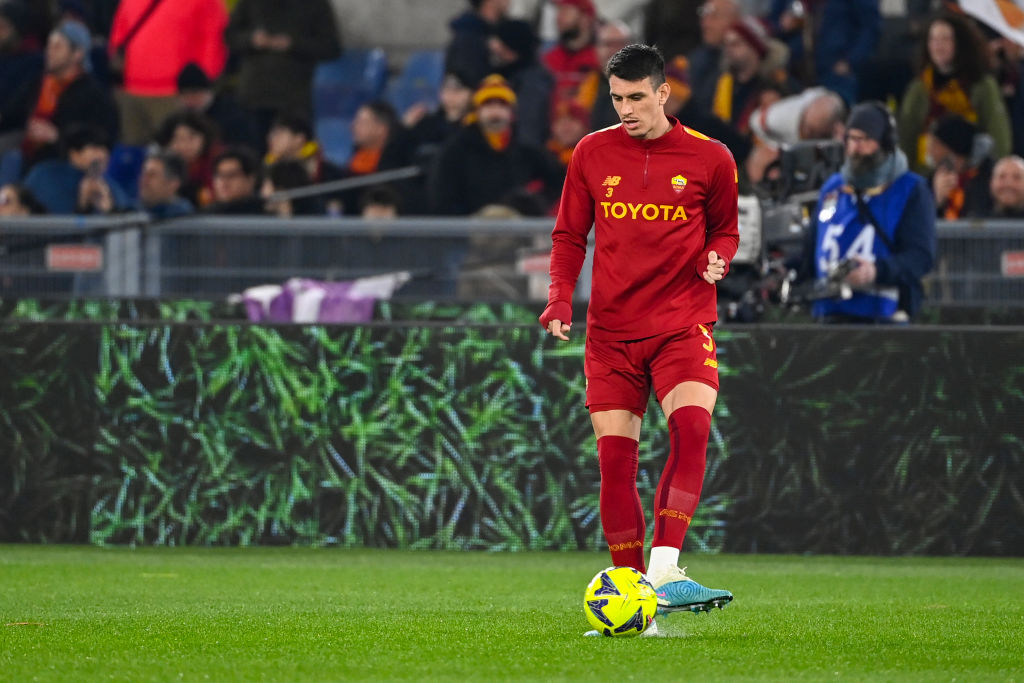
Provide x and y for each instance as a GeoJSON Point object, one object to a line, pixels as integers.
{"type": "Point", "coordinates": [181, 106]}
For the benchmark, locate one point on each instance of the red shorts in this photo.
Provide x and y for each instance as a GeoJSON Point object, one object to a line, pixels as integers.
{"type": "Point", "coordinates": [620, 374]}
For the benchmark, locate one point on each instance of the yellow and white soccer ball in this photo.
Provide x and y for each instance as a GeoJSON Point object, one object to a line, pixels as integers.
{"type": "Point", "coordinates": [619, 602]}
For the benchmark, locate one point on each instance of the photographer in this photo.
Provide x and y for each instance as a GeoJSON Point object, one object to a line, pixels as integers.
{"type": "Point", "coordinates": [873, 231]}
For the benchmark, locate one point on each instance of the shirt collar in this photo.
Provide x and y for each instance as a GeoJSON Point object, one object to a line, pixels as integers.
{"type": "Point", "coordinates": [666, 141]}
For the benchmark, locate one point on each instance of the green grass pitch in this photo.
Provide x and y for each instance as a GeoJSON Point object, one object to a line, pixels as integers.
{"type": "Point", "coordinates": [288, 614]}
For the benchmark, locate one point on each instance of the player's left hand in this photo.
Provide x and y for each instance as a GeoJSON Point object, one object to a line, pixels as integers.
{"type": "Point", "coordinates": [715, 270]}
{"type": "Point", "coordinates": [863, 274]}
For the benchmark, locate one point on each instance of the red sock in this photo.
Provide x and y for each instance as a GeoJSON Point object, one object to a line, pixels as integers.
{"type": "Point", "coordinates": [679, 487]}
{"type": "Point", "coordinates": [622, 515]}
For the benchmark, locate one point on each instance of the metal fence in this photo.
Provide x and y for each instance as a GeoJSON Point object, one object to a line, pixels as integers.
{"type": "Point", "coordinates": [979, 263]}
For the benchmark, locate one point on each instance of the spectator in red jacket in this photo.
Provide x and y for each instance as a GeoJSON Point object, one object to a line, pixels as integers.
{"type": "Point", "coordinates": [150, 43]}
{"type": "Point", "coordinates": [575, 55]}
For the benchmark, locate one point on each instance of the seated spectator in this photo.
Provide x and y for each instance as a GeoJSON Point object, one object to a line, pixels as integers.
{"type": "Point", "coordinates": [418, 140]}
{"type": "Point", "coordinates": [192, 137]}
{"type": "Point", "coordinates": [680, 104]}
{"type": "Point", "coordinates": [291, 139]}
{"type": "Point", "coordinates": [236, 174]}
{"type": "Point", "coordinates": [716, 16]}
{"type": "Point", "coordinates": [422, 133]}
{"type": "Point", "coordinates": [594, 94]}
{"type": "Point", "coordinates": [371, 130]}
{"type": "Point", "coordinates": [483, 163]}
{"type": "Point", "coordinates": [289, 175]}
{"type": "Point", "coordinates": [956, 79]}
{"type": "Point", "coordinates": [235, 125]}
{"type": "Point", "coordinates": [18, 201]}
{"type": "Point", "coordinates": [1007, 188]}
{"type": "Point", "coordinates": [65, 95]}
{"type": "Point", "coordinates": [160, 182]}
{"type": "Point", "coordinates": [963, 168]}
{"type": "Point", "coordinates": [574, 56]}
{"type": "Point", "coordinates": [380, 202]}
{"type": "Point", "coordinates": [514, 55]}
{"type": "Point", "coordinates": [78, 183]}
{"type": "Point", "coordinates": [467, 52]}
{"type": "Point", "coordinates": [751, 79]}
{"type": "Point", "coordinates": [568, 126]}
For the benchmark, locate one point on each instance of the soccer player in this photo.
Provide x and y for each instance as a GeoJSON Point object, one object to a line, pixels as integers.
{"type": "Point", "coordinates": [663, 202]}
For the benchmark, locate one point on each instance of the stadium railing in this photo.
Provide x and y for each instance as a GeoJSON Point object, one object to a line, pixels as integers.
{"type": "Point", "coordinates": [979, 263]}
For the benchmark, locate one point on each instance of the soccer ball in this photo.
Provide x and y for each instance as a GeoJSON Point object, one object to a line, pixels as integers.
{"type": "Point", "coordinates": [619, 601]}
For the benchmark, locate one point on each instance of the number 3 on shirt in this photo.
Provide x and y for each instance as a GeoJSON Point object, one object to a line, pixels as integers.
{"type": "Point", "coordinates": [709, 345]}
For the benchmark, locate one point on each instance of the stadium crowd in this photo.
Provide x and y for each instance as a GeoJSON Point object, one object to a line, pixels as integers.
{"type": "Point", "coordinates": [212, 102]}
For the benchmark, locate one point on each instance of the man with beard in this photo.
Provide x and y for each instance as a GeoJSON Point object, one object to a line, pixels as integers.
{"type": "Point", "coordinates": [876, 219]}
{"type": "Point", "coordinates": [574, 56]}
{"type": "Point", "coordinates": [65, 95]}
{"type": "Point", "coordinates": [484, 163]}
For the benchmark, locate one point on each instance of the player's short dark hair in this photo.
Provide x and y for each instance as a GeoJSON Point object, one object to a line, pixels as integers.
{"type": "Point", "coordinates": [636, 62]}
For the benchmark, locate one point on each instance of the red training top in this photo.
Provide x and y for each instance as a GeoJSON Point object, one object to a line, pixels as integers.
{"type": "Point", "coordinates": [570, 69]}
{"type": "Point", "coordinates": [659, 206]}
{"type": "Point", "coordinates": [175, 34]}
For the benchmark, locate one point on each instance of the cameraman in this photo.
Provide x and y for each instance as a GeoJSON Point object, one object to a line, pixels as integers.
{"type": "Point", "coordinates": [872, 235]}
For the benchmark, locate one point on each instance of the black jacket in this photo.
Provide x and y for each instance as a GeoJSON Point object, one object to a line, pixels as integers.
{"type": "Point", "coordinates": [84, 101]}
{"type": "Point", "coordinates": [281, 81]}
{"type": "Point", "coordinates": [469, 174]}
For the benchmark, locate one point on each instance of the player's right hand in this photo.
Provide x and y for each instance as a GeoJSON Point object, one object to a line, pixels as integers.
{"type": "Point", "coordinates": [552, 319]}
{"type": "Point", "coordinates": [559, 329]}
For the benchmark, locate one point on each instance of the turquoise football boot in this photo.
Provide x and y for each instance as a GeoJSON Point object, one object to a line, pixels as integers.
{"type": "Point", "coordinates": [678, 593]}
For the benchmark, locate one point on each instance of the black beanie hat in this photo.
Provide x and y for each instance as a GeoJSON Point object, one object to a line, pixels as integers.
{"type": "Point", "coordinates": [192, 77]}
{"type": "Point", "coordinates": [955, 132]}
{"type": "Point", "coordinates": [873, 120]}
